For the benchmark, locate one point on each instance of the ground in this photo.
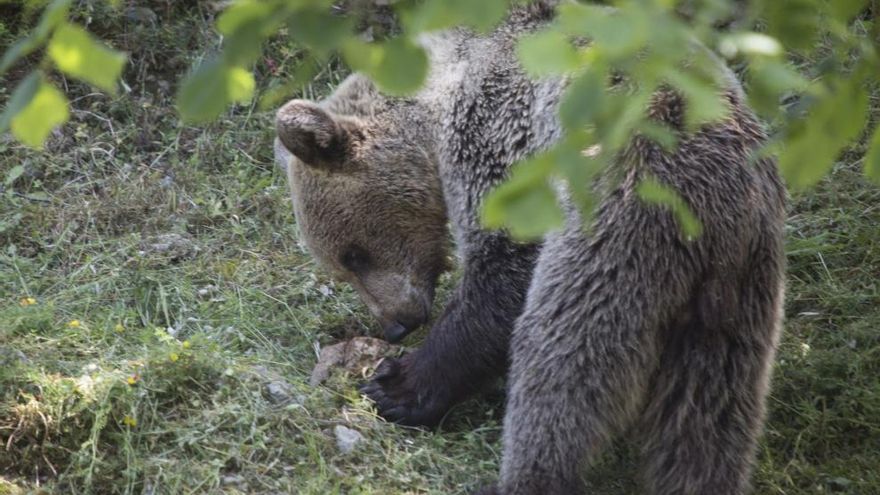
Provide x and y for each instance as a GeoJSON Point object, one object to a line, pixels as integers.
{"type": "Point", "coordinates": [159, 321]}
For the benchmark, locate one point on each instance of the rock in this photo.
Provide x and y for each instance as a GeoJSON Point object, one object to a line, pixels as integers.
{"type": "Point", "coordinates": [174, 246]}
{"type": "Point", "coordinates": [276, 389]}
{"type": "Point", "coordinates": [282, 393]}
{"type": "Point", "coordinates": [346, 438]}
{"type": "Point", "coordinates": [207, 291]}
{"type": "Point", "coordinates": [10, 357]}
{"type": "Point", "coordinates": [355, 356]}
{"type": "Point", "coordinates": [141, 15]}
{"type": "Point", "coordinates": [232, 479]}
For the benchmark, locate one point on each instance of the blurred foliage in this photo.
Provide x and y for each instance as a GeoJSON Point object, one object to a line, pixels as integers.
{"type": "Point", "coordinates": [648, 43]}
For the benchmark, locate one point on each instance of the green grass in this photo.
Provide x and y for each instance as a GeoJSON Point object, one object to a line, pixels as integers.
{"type": "Point", "coordinates": [175, 249]}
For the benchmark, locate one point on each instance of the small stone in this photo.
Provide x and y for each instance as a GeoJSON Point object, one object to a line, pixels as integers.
{"type": "Point", "coordinates": [276, 389]}
{"type": "Point", "coordinates": [141, 15]}
{"type": "Point", "coordinates": [346, 438]}
{"type": "Point", "coordinates": [232, 479]}
{"type": "Point", "coordinates": [9, 357]}
{"type": "Point", "coordinates": [281, 393]}
{"type": "Point", "coordinates": [174, 246]}
{"type": "Point", "coordinates": [207, 291]}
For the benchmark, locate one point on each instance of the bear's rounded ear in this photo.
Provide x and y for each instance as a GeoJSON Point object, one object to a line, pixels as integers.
{"type": "Point", "coordinates": [311, 134]}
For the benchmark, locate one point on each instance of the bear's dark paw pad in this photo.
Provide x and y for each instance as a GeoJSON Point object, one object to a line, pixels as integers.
{"type": "Point", "coordinates": [401, 398]}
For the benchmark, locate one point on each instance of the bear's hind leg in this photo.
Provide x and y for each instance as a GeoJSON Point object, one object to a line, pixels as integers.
{"type": "Point", "coordinates": [706, 405]}
{"type": "Point", "coordinates": [586, 347]}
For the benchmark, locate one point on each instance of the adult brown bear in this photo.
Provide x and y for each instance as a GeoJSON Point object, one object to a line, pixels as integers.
{"type": "Point", "coordinates": [623, 326]}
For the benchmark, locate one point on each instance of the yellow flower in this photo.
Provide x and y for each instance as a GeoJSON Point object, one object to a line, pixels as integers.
{"type": "Point", "coordinates": [119, 328]}
{"type": "Point", "coordinates": [129, 421]}
{"type": "Point", "coordinates": [173, 357]}
{"type": "Point", "coordinates": [74, 324]}
{"type": "Point", "coordinates": [27, 301]}
{"type": "Point", "coordinates": [186, 344]}
{"type": "Point", "coordinates": [132, 379]}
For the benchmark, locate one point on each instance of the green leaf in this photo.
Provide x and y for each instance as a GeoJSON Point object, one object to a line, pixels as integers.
{"type": "Point", "coordinates": [576, 19]}
{"type": "Point", "coordinates": [659, 134]}
{"type": "Point", "coordinates": [526, 204]}
{"type": "Point", "coordinates": [440, 14]}
{"type": "Point", "coordinates": [794, 22]}
{"type": "Point", "coordinates": [213, 85]}
{"type": "Point", "coordinates": [319, 29]}
{"type": "Point", "coordinates": [653, 192]}
{"type": "Point", "coordinates": [834, 122]}
{"type": "Point", "coordinates": [19, 49]}
{"type": "Point", "coordinates": [398, 66]}
{"type": "Point", "coordinates": [618, 34]}
{"type": "Point", "coordinates": [281, 91]}
{"type": "Point", "coordinates": [579, 162]}
{"type": "Point", "coordinates": [872, 158]}
{"type": "Point", "coordinates": [240, 84]}
{"type": "Point", "coordinates": [547, 53]}
{"type": "Point", "coordinates": [55, 13]}
{"type": "Point", "coordinates": [242, 13]}
{"type": "Point", "coordinates": [769, 79]}
{"type": "Point", "coordinates": [584, 99]}
{"type": "Point", "coordinates": [78, 54]}
{"type": "Point", "coordinates": [704, 101]}
{"type": "Point", "coordinates": [47, 109]}
{"type": "Point", "coordinates": [14, 174]}
{"type": "Point", "coordinates": [20, 98]}
{"type": "Point", "coordinates": [845, 10]}
{"type": "Point", "coordinates": [246, 24]}
{"type": "Point", "coordinates": [482, 15]}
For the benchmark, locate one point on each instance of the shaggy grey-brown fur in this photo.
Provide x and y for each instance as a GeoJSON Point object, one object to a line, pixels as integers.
{"type": "Point", "coordinates": [625, 327]}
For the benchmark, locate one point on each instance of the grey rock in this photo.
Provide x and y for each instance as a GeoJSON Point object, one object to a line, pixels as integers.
{"type": "Point", "coordinates": [346, 438]}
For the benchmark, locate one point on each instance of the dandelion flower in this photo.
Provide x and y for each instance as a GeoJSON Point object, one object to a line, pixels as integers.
{"type": "Point", "coordinates": [132, 379]}
{"type": "Point", "coordinates": [173, 357]}
{"type": "Point", "coordinates": [186, 344]}
{"type": "Point", "coordinates": [74, 324]}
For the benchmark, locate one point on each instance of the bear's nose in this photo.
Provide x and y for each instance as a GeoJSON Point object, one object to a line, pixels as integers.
{"type": "Point", "coordinates": [401, 327]}
{"type": "Point", "coordinates": [395, 332]}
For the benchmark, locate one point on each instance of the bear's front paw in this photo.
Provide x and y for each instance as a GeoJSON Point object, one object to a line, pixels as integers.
{"type": "Point", "coordinates": [404, 396]}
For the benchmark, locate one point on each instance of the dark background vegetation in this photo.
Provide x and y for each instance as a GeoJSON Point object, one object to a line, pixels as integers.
{"type": "Point", "coordinates": [159, 321]}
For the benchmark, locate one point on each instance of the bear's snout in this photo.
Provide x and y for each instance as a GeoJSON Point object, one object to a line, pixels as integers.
{"type": "Point", "coordinates": [400, 327]}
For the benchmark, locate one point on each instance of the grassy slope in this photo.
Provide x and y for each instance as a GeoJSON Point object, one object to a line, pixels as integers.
{"type": "Point", "coordinates": [247, 308]}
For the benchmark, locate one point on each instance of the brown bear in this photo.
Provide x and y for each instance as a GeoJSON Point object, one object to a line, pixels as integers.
{"type": "Point", "coordinates": [625, 326]}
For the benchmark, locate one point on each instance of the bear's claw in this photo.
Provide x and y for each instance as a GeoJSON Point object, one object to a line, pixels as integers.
{"type": "Point", "coordinates": [401, 397]}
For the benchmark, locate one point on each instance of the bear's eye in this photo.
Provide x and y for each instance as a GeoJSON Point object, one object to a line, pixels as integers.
{"type": "Point", "coordinates": [355, 259]}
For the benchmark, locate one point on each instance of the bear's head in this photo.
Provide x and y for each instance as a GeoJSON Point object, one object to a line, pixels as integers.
{"type": "Point", "coordinates": [368, 204]}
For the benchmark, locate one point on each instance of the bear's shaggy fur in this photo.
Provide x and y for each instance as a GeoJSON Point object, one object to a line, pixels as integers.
{"type": "Point", "coordinates": [625, 326]}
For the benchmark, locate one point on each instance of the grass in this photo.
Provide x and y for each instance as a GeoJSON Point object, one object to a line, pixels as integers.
{"type": "Point", "coordinates": [152, 294]}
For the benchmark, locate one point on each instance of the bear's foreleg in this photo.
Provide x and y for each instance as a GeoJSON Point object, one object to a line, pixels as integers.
{"type": "Point", "coordinates": [467, 345]}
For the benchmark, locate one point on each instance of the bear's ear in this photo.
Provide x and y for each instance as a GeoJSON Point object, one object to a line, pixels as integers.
{"type": "Point", "coordinates": [312, 134]}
